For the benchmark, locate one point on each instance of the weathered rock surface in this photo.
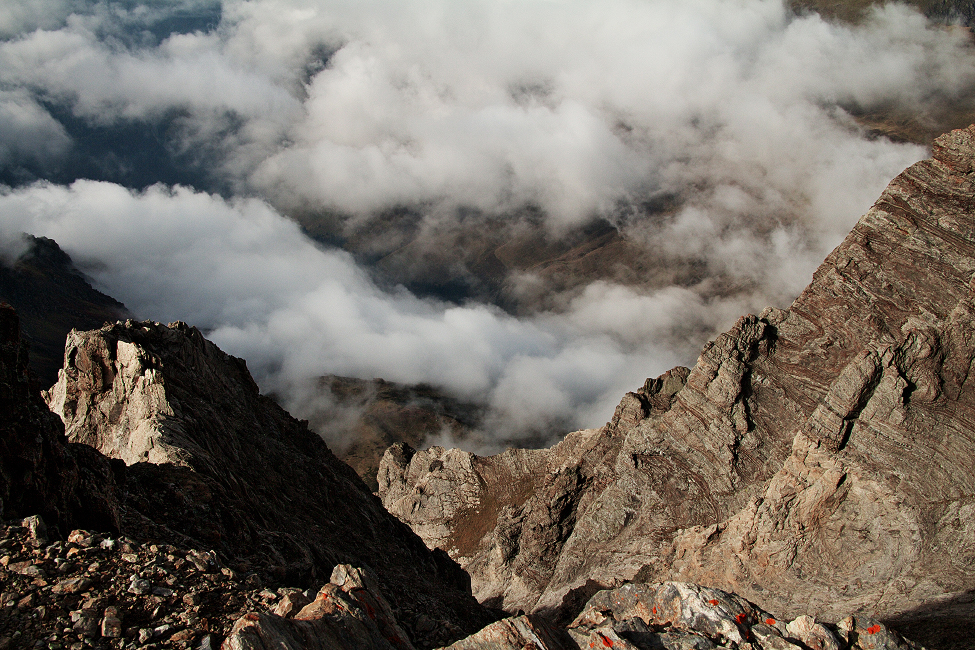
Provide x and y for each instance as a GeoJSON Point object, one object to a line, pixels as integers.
{"type": "Point", "coordinates": [40, 473]}
{"type": "Point", "coordinates": [219, 464]}
{"type": "Point", "coordinates": [678, 615]}
{"type": "Point", "coordinates": [348, 612]}
{"type": "Point", "coordinates": [814, 459]}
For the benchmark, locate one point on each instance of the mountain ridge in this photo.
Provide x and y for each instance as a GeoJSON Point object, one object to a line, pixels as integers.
{"type": "Point", "coordinates": [851, 410]}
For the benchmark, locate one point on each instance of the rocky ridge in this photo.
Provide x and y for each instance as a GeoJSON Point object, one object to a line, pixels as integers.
{"type": "Point", "coordinates": [815, 458]}
{"type": "Point", "coordinates": [232, 473]}
{"type": "Point", "coordinates": [110, 590]}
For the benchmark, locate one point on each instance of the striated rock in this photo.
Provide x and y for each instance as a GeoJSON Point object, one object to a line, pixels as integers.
{"type": "Point", "coordinates": [814, 459]}
{"type": "Point", "coordinates": [477, 508]}
{"type": "Point", "coordinates": [682, 615]}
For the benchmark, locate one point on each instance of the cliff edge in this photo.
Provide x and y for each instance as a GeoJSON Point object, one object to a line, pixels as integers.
{"type": "Point", "coordinates": [817, 458]}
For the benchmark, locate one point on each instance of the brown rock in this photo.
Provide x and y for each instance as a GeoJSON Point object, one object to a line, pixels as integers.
{"type": "Point", "coordinates": [813, 460]}
{"type": "Point", "coordinates": [290, 604]}
{"type": "Point", "coordinates": [517, 633]}
{"type": "Point", "coordinates": [71, 586]}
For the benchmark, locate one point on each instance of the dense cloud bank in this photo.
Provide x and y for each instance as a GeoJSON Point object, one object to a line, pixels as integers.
{"type": "Point", "coordinates": [736, 112]}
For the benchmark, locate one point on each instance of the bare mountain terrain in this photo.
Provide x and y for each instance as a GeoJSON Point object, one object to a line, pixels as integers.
{"type": "Point", "coordinates": [815, 457]}
{"type": "Point", "coordinates": [53, 297]}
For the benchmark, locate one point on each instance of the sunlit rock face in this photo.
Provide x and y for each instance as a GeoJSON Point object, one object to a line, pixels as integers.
{"type": "Point", "coordinates": [814, 459]}
{"type": "Point", "coordinates": [210, 457]}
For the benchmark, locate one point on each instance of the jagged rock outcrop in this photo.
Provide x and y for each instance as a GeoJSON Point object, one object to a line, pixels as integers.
{"type": "Point", "coordinates": [40, 473]}
{"type": "Point", "coordinates": [814, 459]}
{"type": "Point", "coordinates": [348, 612]}
{"type": "Point", "coordinates": [220, 463]}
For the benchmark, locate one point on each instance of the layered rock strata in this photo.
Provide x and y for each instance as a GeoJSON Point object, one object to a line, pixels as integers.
{"type": "Point", "coordinates": [814, 459]}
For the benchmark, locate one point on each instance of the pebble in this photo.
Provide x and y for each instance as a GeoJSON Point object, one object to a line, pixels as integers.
{"type": "Point", "coordinates": [91, 605]}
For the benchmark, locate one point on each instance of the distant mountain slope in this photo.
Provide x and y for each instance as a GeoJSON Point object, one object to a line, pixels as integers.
{"type": "Point", "coordinates": [947, 11]}
{"type": "Point", "coordinates": [815, 458]}
{"type": "Point", "coordinates": [52, 297]}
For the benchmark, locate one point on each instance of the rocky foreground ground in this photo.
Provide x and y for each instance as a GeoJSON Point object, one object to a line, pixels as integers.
{"type": "Point", "coordinates": [98, 591]}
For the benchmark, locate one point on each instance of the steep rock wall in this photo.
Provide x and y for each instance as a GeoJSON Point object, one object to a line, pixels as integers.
{"type": "Point", "coordinates": [816, 458]}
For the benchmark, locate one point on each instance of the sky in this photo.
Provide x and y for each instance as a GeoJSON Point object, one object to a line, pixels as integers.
{"type": "Point", "coordinates": [171, 148]}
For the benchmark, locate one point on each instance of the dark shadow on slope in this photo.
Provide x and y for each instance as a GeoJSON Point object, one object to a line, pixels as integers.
{"type": "Point", "coordinates": [943, 625]}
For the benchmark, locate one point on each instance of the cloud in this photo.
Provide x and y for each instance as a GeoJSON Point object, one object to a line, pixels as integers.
{"type": "Point", "coordinates": [27, 132]}
{"type": "Point", "coordinates": [738, 116]}
{"type": "Point", "coordinates": [294, 310]}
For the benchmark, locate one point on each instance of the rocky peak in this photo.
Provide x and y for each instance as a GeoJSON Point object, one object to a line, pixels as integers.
{"type": "Point", "coordinates": [51, 297]}
{"type": "Point", "coordinates": [139, 391]}
{"type": "Point", "coordinates": [813, 459]}
{"type": "Point", "coordinates": [211, 464]}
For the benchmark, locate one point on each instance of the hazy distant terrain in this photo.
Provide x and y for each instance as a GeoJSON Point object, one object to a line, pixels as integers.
{"type": "Point", "coordinates": [529, 206]}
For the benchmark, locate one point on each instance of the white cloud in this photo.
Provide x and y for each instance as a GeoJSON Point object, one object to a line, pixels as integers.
{"type": "Point", "coordinates": [296, 311]}
{"type": "Point", "coordinates": [735, 108]}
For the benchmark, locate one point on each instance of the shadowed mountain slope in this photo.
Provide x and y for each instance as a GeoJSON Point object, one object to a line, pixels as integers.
{"type": "Point", "coordinates": [52, 297]}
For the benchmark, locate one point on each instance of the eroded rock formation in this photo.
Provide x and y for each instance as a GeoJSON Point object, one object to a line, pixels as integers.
{"type": "Point", "coordinates": [814, 459]}
{"type": "Point", "coordinates": [212, 464]}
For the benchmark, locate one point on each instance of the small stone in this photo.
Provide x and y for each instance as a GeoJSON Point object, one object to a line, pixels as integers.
{"type": "Point", "coordinates": [36, 528]}
{"type": "Point", "coordinates": [72, 586]}
{"type": "Point", "coordinates": [111, 624]}
{"type": "Point", "coordinates": [131, 558]}
{"type": "Point", "coordinates": [162, 591]}
{"type": "Point", "coordinates": [291, 604]}
{"type": "Point", "coordinates": [182, 635]}
{"type": "Point", "coordinates": [425, 624]}
{"type": "Point", "coordinates": [191, 599]}
{"type": "Point", "coordinates": [140, 587]}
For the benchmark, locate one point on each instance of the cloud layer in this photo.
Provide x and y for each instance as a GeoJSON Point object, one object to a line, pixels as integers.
{"type": "Point", "coordinates": [737, 114]}
{"type": "Point", "coordinates": [293, 310]}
